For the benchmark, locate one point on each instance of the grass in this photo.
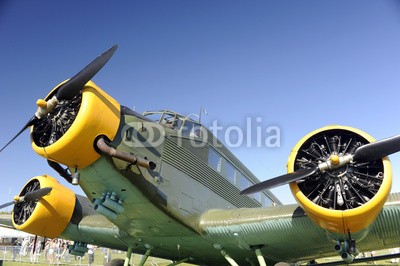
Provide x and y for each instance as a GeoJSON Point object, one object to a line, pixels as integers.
{"type": "Point", "coordinates": [99, 259]}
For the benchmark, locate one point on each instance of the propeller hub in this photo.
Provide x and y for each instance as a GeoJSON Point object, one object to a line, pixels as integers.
{"type": "Point", "coordinates": [335, 159]}
{"type": "Point", "coordinates": [41, 103]}
{"type": "Point", "coordinates": [45, 107]}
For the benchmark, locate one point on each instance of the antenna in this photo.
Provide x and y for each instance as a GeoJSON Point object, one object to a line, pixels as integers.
{"type": "Point", "coordinates": [202, 110]}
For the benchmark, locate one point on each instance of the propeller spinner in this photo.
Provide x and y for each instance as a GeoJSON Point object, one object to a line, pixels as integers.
{"type": "Point", "coordinates": [67, 91]}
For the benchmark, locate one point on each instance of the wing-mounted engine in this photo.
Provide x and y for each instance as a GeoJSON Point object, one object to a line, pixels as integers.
{"type": "Point", "coordinates": [48, 216]}
{"type": "Point", "coordinates": [68, 132]}
{"type": "Point", "coordinates": [341, 199]}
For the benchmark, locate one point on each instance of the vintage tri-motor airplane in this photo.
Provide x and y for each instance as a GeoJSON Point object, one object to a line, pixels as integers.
{"type": "Point", "coordinates": [160, 184]}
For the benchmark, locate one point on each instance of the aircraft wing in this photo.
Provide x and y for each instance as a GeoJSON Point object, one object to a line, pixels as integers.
{"type": "Point", "coordinates": [94, 229]}
{"type": "Point", "coordinates": [285, 233]}
{"type": "Point", "coordinates": [6, 220]}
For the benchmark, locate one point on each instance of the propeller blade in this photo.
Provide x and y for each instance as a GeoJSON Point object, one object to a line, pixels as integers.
{"type": "Point", "coordinates": [7, 204]}
{"type": "Point", "coordinates": [30, 196]}
{"type": "Point", "coordinates": [72, 87]}
{"type": "Point", "coordinates": [377, 150]}
{"type": "Point", "coordinates": [37, 194]}
{"type": "Point", "coordinates": [280, 180]}
{"type": "Point", "coordinates": [31, 122]}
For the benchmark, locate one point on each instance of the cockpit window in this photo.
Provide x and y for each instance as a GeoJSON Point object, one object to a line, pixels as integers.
{"type": "Point", "coordinates": [191, 128]}
{"type": "Point", "coordinates": [154, 117]}
{"type": "Point", "coordinates": [168, 120]}
{"type": "Point", "coordinates": [171, 121]}
{"type": "Point", "coordinates": [175, 121]}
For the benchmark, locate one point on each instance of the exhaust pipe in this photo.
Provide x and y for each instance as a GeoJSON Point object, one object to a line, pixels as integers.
{"type": "Point", "coordinates": [130, 158]}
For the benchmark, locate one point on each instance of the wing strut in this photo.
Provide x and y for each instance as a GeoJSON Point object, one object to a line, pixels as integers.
{"type": "Point", "coordinates": [260, 257]}
{"type": "Point", "coordinates": [228, 258]}
{"type": "Point", "coordinates": [146, 255]}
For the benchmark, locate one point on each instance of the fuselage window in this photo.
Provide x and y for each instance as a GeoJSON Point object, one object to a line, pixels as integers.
{"type": "Point", "coordinates": [214, 160]}
{"type": "Point", "coordinates": [256, 197]}
{"type": "Point", "coordinates": [230, 173]}
{"type": "Point", "coordinates": [265, 201]}
{"type": "Point", "coordinates": [242, 182]}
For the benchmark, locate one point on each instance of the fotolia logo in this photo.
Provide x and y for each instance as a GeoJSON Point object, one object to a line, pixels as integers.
{"type": "Point", "coordinates": [252, 134]}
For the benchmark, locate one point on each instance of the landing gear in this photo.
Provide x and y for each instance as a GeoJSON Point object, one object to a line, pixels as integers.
{"type": "Point", "coordinates": [115, 262]}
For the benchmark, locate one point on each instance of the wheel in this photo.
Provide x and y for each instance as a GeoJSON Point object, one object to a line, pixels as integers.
{"type": "Point", "coordinates": [115, 262]}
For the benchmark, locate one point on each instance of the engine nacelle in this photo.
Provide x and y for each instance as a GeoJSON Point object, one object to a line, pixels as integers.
{"type": "Point", "coordinates": [346, 199]}
{"type": "Point", "coordinates": [67, 134]}
{"type": "Point", "coordinates": [50, 215]}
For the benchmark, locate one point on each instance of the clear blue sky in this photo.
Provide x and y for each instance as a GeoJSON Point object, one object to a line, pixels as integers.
{"type": "Point", "coordinates": [298, 65]}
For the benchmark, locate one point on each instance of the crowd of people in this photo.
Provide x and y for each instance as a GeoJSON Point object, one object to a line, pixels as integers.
{"type": "Point", "coordinates": [55, 251]}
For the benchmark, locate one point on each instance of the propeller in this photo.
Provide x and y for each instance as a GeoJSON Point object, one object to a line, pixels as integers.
{"type": "Point", "coordinates": [68, 90]}
{"type": "Point", "coordinates": [366, 153]}
{"type": "Point", "coordinates": [31, 122]}
{"type": "Point", "coordinates": [29, 196]}
{"type": "Point", "coordinates": [376, 150]}
{"type": "Point", "coordinates": [279, 180]}
{"type": "Point", "coordinates": [73, 86]}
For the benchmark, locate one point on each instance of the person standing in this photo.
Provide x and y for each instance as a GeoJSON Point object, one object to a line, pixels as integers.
{"type": "Point", "coordinates": [51, 251]}
{"type": "Point", "coordinates": [91, 255]}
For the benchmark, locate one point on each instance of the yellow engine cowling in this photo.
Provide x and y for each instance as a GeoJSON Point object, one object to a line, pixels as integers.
{"type": "Point", "coordinates": [342, 200]}
{"type": "Point", "coordinates": [50, 215]}
{"type": "Point", "coordinates": [98, 114]}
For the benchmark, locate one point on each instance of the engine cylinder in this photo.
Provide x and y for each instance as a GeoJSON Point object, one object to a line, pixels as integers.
{"type": "Point", "coordinates": [343, 199]}
{"type": "Point", "coordinates": [66, 135]}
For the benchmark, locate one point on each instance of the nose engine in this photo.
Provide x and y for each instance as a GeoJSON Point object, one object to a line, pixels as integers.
{"type": "Point", "coordinates": [67, 133]}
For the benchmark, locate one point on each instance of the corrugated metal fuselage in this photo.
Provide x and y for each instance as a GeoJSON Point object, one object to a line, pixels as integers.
{"type": "Point", "coordinates": [162, 206]}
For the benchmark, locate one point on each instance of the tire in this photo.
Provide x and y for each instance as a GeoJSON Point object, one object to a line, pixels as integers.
{"type": "Point", "coordinates": [115, 262]}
